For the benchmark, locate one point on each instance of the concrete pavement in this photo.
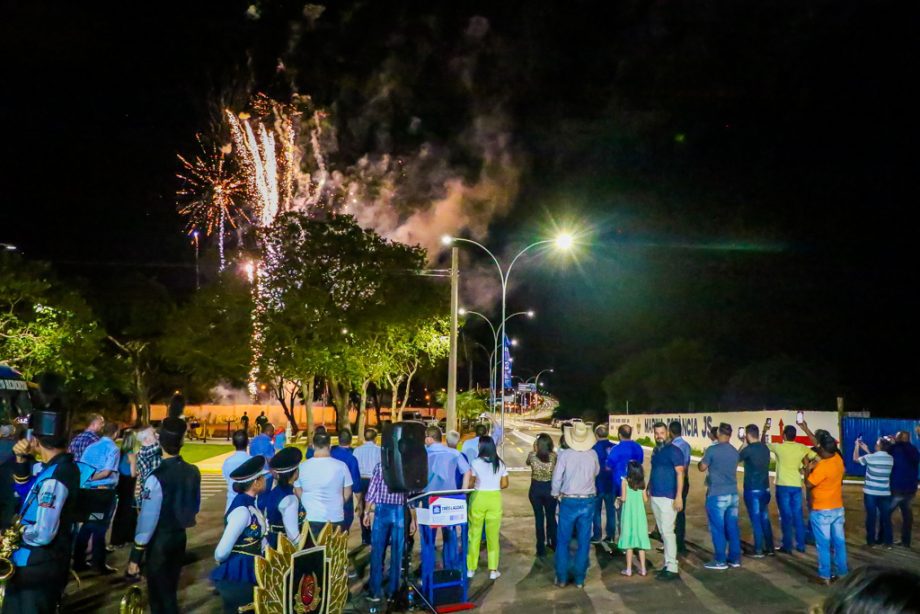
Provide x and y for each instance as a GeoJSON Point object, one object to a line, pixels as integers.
{"type": "Point", "coordinates": [778, 584]}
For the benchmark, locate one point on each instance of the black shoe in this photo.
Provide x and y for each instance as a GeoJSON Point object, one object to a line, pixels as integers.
{"type": "Point", "coordinates": [105, 570]}
{"type": "Point", "coordinates": [682, 552]}
{"type": "Point", "coordinates": [655, 535]}
{"type": "Point", "coordinates": [666, 576]}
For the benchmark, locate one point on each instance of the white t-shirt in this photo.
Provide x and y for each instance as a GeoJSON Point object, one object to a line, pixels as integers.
{"type": "Point", "coordinates": [486, 476]}
{"type": "Point", "coordinates": [322, 481]}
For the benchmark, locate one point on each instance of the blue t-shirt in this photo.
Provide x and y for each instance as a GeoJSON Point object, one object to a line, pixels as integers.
{"type": "Point", "coordinates": [261, 445]}
{"type": "Point", "coordinates": [663, 480]}
{"type": "Point", "coordinates": [618, 461]}
{"type": "Point", "coordinates": [604, 480]}
{"type": "Point", "coordinates": [906, 464]}
{"type": "Point", "coordinates": [722, 459]}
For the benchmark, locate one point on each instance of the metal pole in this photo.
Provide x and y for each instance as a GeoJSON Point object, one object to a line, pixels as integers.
{"type": "Point", "coordinates": [452, 361]}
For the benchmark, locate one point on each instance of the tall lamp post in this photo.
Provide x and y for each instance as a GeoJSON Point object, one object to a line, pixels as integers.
{"type": "Point", "coordinates": [462, 311]}
{"type": "Point", "coordinates": [563, 242]}
{"type": "Point", "coordinates": [536, 379]}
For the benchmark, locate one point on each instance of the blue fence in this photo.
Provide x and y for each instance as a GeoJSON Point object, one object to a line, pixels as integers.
{"type": "Point", "coordinates": [871, 429]}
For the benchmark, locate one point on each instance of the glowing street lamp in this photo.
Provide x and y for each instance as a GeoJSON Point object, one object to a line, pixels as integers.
{"type": "Point", "coordinates": [563, 241]}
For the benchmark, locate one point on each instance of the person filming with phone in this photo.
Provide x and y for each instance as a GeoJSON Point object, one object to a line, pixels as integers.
{"type": "Point", "coordinates": [789, 459]}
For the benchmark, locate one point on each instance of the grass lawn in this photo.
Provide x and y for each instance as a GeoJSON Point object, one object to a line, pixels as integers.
{"type": "Point", "coordinates": [194, 452]}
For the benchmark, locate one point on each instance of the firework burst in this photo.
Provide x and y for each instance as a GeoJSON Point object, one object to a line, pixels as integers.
{"type": "Point", "coordinates": [209, 192]}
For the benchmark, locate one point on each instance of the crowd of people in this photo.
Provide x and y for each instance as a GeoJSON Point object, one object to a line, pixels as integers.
{"type": "Point", "coordinates": [138, 490]}
{"type": "Point", "coordinates": [589, 474]}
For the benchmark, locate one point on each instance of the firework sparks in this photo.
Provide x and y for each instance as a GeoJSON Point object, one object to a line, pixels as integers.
{"type": "Point", "coordinates": [207, 198]}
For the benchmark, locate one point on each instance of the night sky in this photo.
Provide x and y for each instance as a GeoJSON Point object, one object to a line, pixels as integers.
{"type": "Point", "coordinates": [743, 171]}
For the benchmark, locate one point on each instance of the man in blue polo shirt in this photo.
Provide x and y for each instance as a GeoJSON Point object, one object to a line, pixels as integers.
{"type": "Point", "coordinates": [680, 525]}
{"type": "Point", "coordinates": [443, 465]}
{"type": "Point", "coordinates": [665, 488]}
{"type": "Point", "coordinates": [604, 485]}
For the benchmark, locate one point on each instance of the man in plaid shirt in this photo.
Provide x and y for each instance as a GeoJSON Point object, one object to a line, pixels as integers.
{"type": "Point", "coordinates": [385, 513]}
{"type": "Point", "coordinates": [87, 437]}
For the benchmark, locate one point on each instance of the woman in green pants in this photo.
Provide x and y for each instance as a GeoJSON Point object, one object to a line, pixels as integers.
{"type": "Point", "coordinates": [490, 476]}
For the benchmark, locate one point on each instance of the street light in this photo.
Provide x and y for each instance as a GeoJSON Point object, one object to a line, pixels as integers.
{"type": "Point", "coordinates": [530, 313]}
{"type": "Point", "coordinates": [563, 241]}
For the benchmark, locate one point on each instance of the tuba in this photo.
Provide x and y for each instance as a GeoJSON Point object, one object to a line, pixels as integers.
{"type": "Point", "coordinates": [9, 543]}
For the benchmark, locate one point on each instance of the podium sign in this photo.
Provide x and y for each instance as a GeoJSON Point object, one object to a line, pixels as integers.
{"type": "Point", "coordinates": [443, 511]}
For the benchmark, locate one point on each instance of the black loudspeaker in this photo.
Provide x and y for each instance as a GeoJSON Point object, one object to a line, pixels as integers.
{"type": "Point", "coordinates": [403, 458]}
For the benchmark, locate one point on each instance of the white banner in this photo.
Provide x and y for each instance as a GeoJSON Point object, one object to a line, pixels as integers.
{"type": "Point", "coordinates": [696, 425]}
{"type": "Point", "coordinates": [443, 512]}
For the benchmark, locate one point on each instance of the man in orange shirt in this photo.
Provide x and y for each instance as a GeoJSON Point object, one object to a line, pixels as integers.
{"type": "Point", "coordinates": [825, 483]}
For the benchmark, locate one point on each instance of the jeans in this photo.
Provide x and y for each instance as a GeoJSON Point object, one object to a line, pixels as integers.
{"type": "Point", "coordinates": [449, 551]}
{"type": "Point", "coordinates": [789, 502]}
{"type": "Point", "coordinates": [665, 518]}
{"type": "Point", "coordinates": [758, 507]}
{"type": "Point", "coordinates": [680, 524]}
{"type": "Point", "coordinates": [365, 531]}
{"type": "Point", "coordinates": [902, 501]}
{"type": "Point", "coordinates": [605, 499]}
{"type": "Point", "coordinates": [574, 515]}
{"type": "Point", "coordinates": [878, 519]}
{"type": "Point", "coordinates": [544, 514]}
{"type": "Point", "coordinates": [827, 525]}
{"type": "Point", "coordinates": [722, 511]}
{"type": "Point", "coordinates": [389, 527]}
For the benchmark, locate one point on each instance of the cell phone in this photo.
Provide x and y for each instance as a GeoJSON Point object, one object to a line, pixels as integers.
{"type": "Point", "coordinates": [769, 422]}
{"type": "Point", "coordinates": [741, 433]}
{"type": "Point", "coordinates": [799, 417]}
{"type": "Point", "coordinates": [28, 434]}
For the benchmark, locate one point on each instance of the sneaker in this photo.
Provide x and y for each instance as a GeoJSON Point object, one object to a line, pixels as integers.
{"type": "Point", "coordinates": [734, 565]}
{"type": "Point", "coordinates": [470, 573]}
{"type": "Point", "coordinates": [667, 576]}
{"type": "Point", "coordinates": [716, 565]}
{"type": "Point", "coordinates": [771, 553]}
{"type": "Point", "coordinates": [494, 575]}
{"type": "Point", "coordinates": [757, 555]}
{"type": "Point", "coordinates": [597, 540]}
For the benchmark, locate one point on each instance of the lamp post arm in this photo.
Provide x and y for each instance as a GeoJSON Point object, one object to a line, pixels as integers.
{"type": "Point", "coordinates": [521, 253]}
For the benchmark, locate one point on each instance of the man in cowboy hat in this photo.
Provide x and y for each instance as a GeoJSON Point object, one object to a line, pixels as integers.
{"type": "Point", "coordinates": [573, 485]}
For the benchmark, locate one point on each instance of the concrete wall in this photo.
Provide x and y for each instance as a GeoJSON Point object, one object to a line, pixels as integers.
{"type": "Point", "coordinates": [219, 414]}
{"type": "Point", "coordinates": [696, 425]}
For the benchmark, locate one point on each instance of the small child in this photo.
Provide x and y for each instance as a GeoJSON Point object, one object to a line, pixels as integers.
{"type": "Point", "coordinates": [633, 521]}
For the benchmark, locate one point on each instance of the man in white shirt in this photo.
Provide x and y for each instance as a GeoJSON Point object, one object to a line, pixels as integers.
{"type": "Point", "coordinates": [324, 484]}
{"type": "Point", "coordinates": [368, 456]}
{"type": "Point", "coordinates": [240, 456]}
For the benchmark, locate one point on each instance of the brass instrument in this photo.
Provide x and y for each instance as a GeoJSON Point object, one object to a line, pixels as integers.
{"type": "Point", "coordinates": [132, 602]}
{"type": "Point", "coordinates": [9, 543]}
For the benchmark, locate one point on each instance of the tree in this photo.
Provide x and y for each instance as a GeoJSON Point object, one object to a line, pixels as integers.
{"type": "Point", "coordinates": [46, 327]}
{"type": "Point", "coordinates": [680, 375]}
{"type": "Point", "coordinates": [135, 324]}
{"type": "Point", "coordinates": [423, 343]}
{"type": "Point", "coordinates": [209, 337]}
{"type": "Point", "coordinates": [329, 294]}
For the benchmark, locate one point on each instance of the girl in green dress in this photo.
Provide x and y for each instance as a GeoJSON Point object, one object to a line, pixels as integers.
{"type": "Point", "coordinates": [633, 521]}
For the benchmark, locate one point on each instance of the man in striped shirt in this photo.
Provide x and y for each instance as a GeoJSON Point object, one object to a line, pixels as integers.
{"type": "Point", "coordinates": [877, 490]}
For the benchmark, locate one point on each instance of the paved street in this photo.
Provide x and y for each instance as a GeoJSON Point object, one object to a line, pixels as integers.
{"type": "Point", "coordinates": [777, 584]}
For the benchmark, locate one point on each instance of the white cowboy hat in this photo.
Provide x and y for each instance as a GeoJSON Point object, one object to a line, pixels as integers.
{"type": "Point", "coordinates": [579, 437]}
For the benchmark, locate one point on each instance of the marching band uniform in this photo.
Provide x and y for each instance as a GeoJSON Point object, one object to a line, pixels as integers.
{"type": "Point", "coordinates": [48, 513]}
{"type": "Point", "coordinates": [170, 500]}
{"type": "Point", "coordinates": [243, 540]}
{"type": "Point", "coordinates": [281, 507]}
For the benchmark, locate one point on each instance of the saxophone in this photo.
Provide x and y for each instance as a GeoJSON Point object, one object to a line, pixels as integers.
{"type": "Point", "coordinates": [9, 543]}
